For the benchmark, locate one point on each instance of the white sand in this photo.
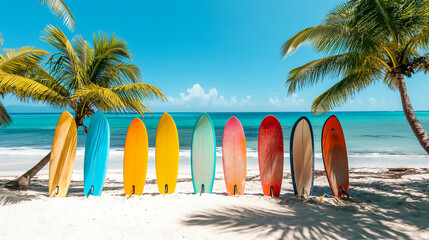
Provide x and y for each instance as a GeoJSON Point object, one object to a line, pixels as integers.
{"type": "Point", "coordinates": [383, 205]}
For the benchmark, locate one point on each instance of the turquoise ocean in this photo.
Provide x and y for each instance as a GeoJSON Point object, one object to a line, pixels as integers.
{"type": "Point", "coordinates": [373, 139]}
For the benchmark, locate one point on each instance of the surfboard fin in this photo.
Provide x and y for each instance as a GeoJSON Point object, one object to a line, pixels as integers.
{"type": "Point", "coordinates": [305, 194]}
{"type": "Point", "coordinates": [90, 191]}
{"type": "Point", "coordinates": [133, 191]}
{"type": "Point", "coordinates": [202, 189]}
{"type": "Point", "coordinates": [166, 188]}
{"type": "Point", "coordinates": [342, 191]}
{"type": "Point", "coordinates": [272, 191]}
{"type": "Point", "coordinates": [235, 190]}
{"type": "Point", "coordinates": [56, 191]}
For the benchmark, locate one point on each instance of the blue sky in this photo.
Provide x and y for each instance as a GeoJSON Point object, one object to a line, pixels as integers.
{"type": "Point", "coordinates": [212, 55]}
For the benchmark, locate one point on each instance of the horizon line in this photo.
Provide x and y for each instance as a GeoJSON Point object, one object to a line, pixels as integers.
{"type": "Point", "coordinates": [148, 113]}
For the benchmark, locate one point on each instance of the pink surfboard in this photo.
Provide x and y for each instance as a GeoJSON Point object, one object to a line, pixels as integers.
{"type": "Point", "coordinates": [270, 156]}
{"type": "Point", "coordinates": [234, 157]}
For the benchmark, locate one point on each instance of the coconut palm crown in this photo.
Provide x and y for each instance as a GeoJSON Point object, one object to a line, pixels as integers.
{"type": "Point", "coordinates": [101, 77]}
{"type": "Point", "coordinates": [367, 41]}
{"type": "Point", "coordinates": [82, 77]}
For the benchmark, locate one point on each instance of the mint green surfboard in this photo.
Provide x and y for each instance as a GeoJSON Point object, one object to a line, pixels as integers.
{"type": "Point", "coordinates": [203, 155]}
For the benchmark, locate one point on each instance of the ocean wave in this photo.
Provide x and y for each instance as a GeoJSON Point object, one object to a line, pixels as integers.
{"type": "Point", "coordinates": [251, 152]}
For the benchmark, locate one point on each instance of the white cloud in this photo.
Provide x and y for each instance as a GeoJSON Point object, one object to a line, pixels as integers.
{"type": "Point", "coordinates": [293, 100]}
{"type": "Point", "coordinates": [274, 101]}
{"type": "Point", "coordinates": [372, 101]}
{"type": "Point", "coordinates": [198, 96]}
{"type": "Point", "coordinates": [222, 101]}
{"type": "Point", "coordinates": [245, 101]}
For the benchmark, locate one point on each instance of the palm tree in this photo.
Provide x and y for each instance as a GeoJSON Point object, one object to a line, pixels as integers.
{"type": "Point", "coordinates": [83, 78]}
{"type": "Point", "coordinates": [367, 41]}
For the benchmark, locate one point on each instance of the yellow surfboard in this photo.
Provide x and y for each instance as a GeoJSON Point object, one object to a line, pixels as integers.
{"type": "Point", "coordinates": [135, 158]}
{"type": "Point", "coordinates": [166, 154]}
{"type": "Point", "coordinates": [62, 155]}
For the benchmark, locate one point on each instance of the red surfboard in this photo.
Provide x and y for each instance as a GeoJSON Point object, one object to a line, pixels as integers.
{"type": "Point", "coordinates": [334, 154]}
{"type": "Point", "coordinates": [270, 156]}
{"type": "Point", "coordinates": [234, 157]}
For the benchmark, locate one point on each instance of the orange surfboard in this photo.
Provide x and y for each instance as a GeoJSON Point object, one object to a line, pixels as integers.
{"type": "Point", "coordinates": [334, 154]}
{"type": "Point", "coordinates": [234, 157]}
{"type": "Point", "coordinates": [135, 158]}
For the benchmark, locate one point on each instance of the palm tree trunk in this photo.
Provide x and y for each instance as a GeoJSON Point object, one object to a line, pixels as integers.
{"type": "Point", "coordinates": [22, 183]}
{"type": "Point", "coordinates": [415, 125]}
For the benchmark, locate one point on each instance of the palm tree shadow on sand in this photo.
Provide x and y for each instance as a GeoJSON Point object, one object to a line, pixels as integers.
{"type": "Point", "coordinates": [370, 217]}
{"type": "Point", "coordinates": [8, 197]}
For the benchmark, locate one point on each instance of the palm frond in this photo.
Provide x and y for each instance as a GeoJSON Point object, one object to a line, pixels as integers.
{"type": "Point", "coordinates": [5, 119]}
{"type": "Point", "coordinates": [141, 91]}
{"type": "Point", "coordinates": [116, 74]}
{"type": "Point", "coordinates": [135, 105]}
{"type": "Point", "coordinates": [83, 51]}
{"type": "Point", "coordinates": [17, 60]}
{"type": "Point", "coordinates": [377, 16]}
{"type": "Point", "coordinates": [43, 77]}
{"type": "Point", "coordinates": [393, 21]}
{"type": "Point", "coordinates": [100, 97]}
{"type": "Point", "coordinates": [119, 99]}
{"type": "Point", "coordinates": [345, 89]}
{"type": "Point", "coordinates": [29, 89]}
{"type": "Point", "coordinates": [109, 53]}
{"type": "Point", "coordinates": [389, 81]}
{"type": "Point", "coordinates": [328, 67]}
{"type": "Point", "coordinates": [61, 11]}
{"type": "Point", "coordinates": [332, 39]}
{"type": "Point", "coordinates": [65, 64]}
{"type": "Point", "coordinates": [340, 14]}
{"type": "Point", "coordinates": [110, 47]}
{"type": "Point", "coordinates": [418, 41]}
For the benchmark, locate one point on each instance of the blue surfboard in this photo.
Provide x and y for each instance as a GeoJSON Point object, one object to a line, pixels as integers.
{"type": "Point", "coordinates": [96, 155]}
{"type": "Point", "coordinates": [203, 155]}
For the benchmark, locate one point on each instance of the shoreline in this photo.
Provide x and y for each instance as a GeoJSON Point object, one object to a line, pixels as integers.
{"type": "Point", "coordinates": [383, 204]}
{"type": "Point", "coordinates": [26, 158]}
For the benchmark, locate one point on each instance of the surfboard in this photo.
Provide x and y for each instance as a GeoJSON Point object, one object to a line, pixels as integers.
{"type": "Point", "coordinates": [96, 155]}
{"type": "Point", "coordinates": [234, 157]}
{"type": "Point", "coordinates": [302, 157]}
{"type": "Point", "coordinates": [334, 154]}
{"type": "Point", "coordinates": [136, 153]}
{"type": "Point", "coordinates": [203, 155]}
{"type": "Point", "coordinates": [166, 154]}
{"type": "Point", "coordinates": [270, 156]}
{"type": "Point", "coordinates": [63, 153]}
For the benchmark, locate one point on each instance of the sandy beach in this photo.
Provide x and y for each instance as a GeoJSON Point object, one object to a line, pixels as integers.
{"type": "Point", "coordinates": [384, 204]}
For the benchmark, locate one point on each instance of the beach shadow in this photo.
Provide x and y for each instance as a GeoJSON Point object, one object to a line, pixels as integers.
{"type": "Point", "coordinates": [8, 197]}
{"type": "Point", "coordinates": [371, 213]}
